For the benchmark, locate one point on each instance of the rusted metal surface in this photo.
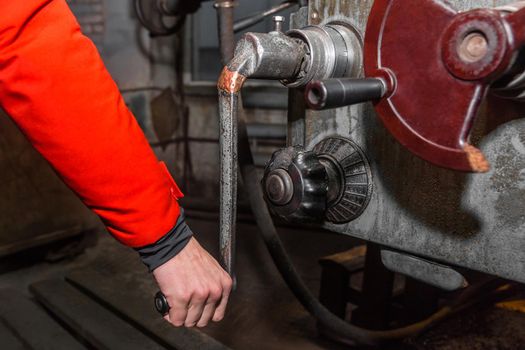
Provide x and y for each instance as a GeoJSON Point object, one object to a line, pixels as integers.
{"type": "Point", "coordinates": [476, 159]}
{"type": "Point", "coordinates": [230, 82]}
{"type": "Point", "coordinates": [228, 106]}
{"type": "Point", "coordinates": [471, 220]}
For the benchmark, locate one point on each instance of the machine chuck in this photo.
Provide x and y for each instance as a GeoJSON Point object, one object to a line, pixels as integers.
{"type": "Point", "coordinates": [333, 182]}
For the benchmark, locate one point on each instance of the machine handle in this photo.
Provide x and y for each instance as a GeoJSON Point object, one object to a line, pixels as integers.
{"type": "Point", "coordinates": [335, 93]}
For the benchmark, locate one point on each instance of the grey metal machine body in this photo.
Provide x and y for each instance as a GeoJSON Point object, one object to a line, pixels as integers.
{"type": "Point", "coordinates": [472, 220]}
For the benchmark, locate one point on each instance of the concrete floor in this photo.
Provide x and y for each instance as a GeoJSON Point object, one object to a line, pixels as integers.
{"type": "Point", "coordinates": [263, 314]}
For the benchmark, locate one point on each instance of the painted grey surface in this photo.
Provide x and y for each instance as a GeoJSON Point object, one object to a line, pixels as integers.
{"type": "Point", "coordinates": [471, 220]}
{"type": "Point", "coordinates": [429, 272]}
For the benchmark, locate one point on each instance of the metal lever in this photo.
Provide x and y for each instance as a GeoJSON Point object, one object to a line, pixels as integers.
{"type": "Point", "coordinates": [295, 58]}
{"type": "Point", "coordinates": [335, 93]}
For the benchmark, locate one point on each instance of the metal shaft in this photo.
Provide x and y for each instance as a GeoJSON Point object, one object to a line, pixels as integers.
{"type": "Point", "coordinates": [228, 180]}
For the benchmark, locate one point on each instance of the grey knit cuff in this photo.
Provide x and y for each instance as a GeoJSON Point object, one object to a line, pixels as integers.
{"type": "Point", "coordinates": [168, 246]}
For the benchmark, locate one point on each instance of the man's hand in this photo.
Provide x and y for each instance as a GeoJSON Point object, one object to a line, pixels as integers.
{"type": "Point", "coordinates": [196, 286]}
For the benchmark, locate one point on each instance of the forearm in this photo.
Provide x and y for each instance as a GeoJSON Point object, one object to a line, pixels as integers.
{"type": "Point", "coordinates": [57, 90]}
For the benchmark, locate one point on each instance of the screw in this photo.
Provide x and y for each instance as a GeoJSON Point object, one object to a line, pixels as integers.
{"type": "Point", "coordinates": [278, 23]}
{"type": "Point", "coordinates": [473, 48]}
{"type": "Point", "coordinates": [315, 16]}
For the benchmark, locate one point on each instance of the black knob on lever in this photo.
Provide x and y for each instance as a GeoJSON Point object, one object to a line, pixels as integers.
{"type": "Point", "coordinates": [161, 304]}
{"type": "Point", "coordinates": [335, 93]}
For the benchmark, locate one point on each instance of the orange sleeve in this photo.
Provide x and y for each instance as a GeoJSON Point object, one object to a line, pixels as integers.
{"type": "Point", "coordinates": [54, 85]}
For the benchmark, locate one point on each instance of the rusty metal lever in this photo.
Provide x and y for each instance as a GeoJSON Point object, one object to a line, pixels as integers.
{"type": "Point", "coordinates": [295, 58]}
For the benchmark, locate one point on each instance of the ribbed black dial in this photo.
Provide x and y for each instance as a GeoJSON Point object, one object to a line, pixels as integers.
{"type": "Point", "coordinates": [331, 183]}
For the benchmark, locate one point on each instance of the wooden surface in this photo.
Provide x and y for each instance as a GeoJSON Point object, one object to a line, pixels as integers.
{"type": "Point", "coordinates": [262, 314]}
{"type": "Point", "coordinates": [8, 340]}
{"type": "Point", "coordinates": [106, 304]}
{"type": "Point", "coordinates": [31, 323]}
{"type": "Point", "coordinates": [88, 319]}
{"type": "Point", "coordinates": [135, 305]}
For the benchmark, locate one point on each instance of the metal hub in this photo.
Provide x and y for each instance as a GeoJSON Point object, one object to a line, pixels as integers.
{"type": "Point", "coordinates": [474, 47]}
{"type": "Point", "coordinates": [279, 187]}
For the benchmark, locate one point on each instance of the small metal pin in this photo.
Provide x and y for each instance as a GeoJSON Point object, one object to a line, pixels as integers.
{"type": "Point", "coordinates": [278, 22]}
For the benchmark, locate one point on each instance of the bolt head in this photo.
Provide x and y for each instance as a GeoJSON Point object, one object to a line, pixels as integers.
{"type": "Point", "coordinates": [279, 187]}
{"type": "Point", "coordinates": [473, 48]}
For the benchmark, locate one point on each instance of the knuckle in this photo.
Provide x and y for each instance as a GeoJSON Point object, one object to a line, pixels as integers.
{"type": "Point", "coordinates": [200, 294]}
{"type": "Point", "coordinates": [215, 293]}
{"type": "Point", "coordinates": [228, 282]}
{"type": "Point", "coordinates": [184, 296]}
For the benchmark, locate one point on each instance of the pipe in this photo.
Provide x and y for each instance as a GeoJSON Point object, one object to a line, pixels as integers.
{"type": "Point", "coordinates": [225, 12]}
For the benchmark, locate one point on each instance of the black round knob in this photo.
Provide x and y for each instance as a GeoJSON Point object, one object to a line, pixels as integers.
{"type": "Point", "coordinates": [161, 304]}
{"type": "Point", "coordinates": [296, 185]}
